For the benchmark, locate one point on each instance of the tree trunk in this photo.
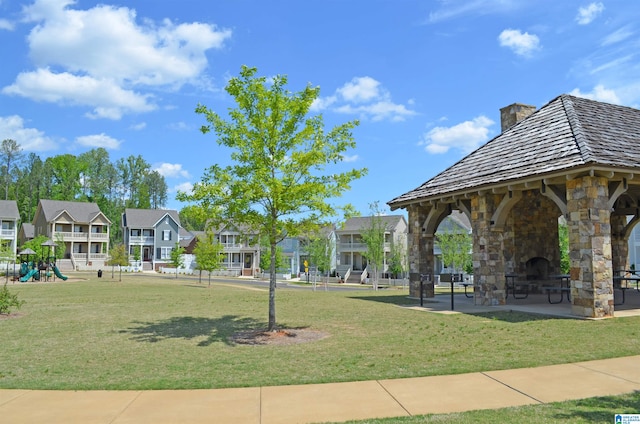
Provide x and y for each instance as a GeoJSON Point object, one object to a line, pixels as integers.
{"type": "Point", "coordinates": [272, 285]}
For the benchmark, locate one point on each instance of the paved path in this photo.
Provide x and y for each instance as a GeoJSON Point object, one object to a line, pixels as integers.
{"type": "Point", "coordinates": [326, 402]}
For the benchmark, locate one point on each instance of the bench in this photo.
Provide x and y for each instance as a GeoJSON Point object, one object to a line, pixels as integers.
{"type": "Point", "coordinates": [557, 289]}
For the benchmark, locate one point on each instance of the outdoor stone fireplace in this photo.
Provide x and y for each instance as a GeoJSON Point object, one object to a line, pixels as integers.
{"type": "Point", "coordinates": [537, 269]}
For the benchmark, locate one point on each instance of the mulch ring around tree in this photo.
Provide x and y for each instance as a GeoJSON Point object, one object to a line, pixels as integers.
{"type": "Point", "coordinates": [280, 337]}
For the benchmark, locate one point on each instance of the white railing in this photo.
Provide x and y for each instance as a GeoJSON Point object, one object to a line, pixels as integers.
{"type": "Point", "coordinates": [345, 247]}
{"type": "Point", "coordinates": [73, 236]}
{"type": "Point", "coordinates": [92, 256]}
{"type": "Point", "coordinates": [141, 240]}
{"type": "Point", "coordinates": [8, 233]}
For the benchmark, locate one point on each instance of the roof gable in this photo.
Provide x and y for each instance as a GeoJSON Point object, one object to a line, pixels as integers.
{"type": "Point", "coordinates": [9, 209]}
{"type": "Point", "coordinates": [360, 223]}
{"type": "Point", "coordinates": [82, 212]}
{"type": "Point", "coordinates": [567, 133]}
{"type": "Point", "coordinates": [147, 218]}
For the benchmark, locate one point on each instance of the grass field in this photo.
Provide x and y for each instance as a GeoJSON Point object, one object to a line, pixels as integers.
{"type": "Point", "coordinates": [158, 332]}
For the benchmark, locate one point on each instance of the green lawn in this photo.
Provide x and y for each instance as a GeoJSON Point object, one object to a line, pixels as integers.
{"type": "Point", "coordinates": [158, 332]}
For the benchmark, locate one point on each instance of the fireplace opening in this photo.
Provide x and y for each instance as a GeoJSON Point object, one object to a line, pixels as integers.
{"type": "Point", "coordinates": [537, 268]}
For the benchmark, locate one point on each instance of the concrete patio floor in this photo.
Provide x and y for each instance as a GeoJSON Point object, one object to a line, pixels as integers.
{"type": "Point", "coordinates": [533, 303]}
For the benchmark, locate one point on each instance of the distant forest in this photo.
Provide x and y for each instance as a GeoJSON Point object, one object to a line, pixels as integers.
{"type": "Point", "coordinates": [89, 177]}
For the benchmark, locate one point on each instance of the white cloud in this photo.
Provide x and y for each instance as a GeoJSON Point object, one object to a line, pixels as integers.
{"type": "Point", "coordinates": [618, 36]}
{"type": "Point", "coordinates": [453, 9]}
{"type": "Point", "coordinates": [107, 46]}
{"type": "Point", "coordinates": [107, 98]}
{"type": "Point", "coordinates": [466, 136]}
{"type": "Point", "coordinates": [364, 96]}
{"type": "Point", "coordinates": [171, 170]}
{"type": "Point", "coordinates": [186, 188]}
{"type": "Point", "coordinates": [359, 90]}
{"type": "Point", "coordinates": [30, 139]}
{"type": "Point", "coordinates": [99, 140]}
{"type": "Point", "coordinates": [599, 93]}
{"type": "Point", "coordinates": [6, 25]}
{"type": "Point", "coordinates": [139, 127]}
{"type": "Point", "coordinates": [352, 158]}
{"type": "Point", "coordinates": [522, 44]}
{"type": "Point", "coordinates": [587, 14]}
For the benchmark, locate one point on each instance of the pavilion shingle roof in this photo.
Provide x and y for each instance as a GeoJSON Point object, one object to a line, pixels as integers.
{"type": "Point", "coordinates": [569, 132]}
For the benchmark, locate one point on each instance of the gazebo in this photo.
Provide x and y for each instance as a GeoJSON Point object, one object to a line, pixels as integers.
{"type": "Point", "coordinates": [575, 158]}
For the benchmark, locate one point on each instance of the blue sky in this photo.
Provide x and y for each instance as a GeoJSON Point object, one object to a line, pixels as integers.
{"type": "Point", "coordinates": [426, 78]}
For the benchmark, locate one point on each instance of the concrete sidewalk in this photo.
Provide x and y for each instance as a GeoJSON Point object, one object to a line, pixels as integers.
{"type": "Point", "coordinates": [327, 402]}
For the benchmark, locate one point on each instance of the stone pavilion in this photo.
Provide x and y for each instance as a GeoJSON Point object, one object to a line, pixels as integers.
{"type": "Point", "coordinates": [573, 157]}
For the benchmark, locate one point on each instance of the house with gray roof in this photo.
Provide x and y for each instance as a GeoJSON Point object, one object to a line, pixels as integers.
{"type": "Point", "coordinates": [351, 248]}
{"type": "Point", "coordinates": [80, 226]}
{"type": "Point", "coordinates": [573, 157]}
{"type": "Point", "coordinates": [241, 249]}
{"type": "Point", "coordinates": [152, 232]}
{"type": "Point", "coordinates": [9, 218]}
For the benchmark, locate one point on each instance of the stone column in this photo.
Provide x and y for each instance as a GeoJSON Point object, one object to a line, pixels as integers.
{"type": "Point", "coordinates": [619, 243]}
{"type": "Point", "coordinates": [589, 227]}
{"type": "Point", "coordinates": [420, 245]}
{"type": "Point", "coordinates": [488, 260]}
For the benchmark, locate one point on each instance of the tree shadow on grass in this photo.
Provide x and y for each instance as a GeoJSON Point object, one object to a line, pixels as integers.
{"type": "Point", "coordinates": [189, 328]}
{"type": "Point", "coordinates": [601, 409]}
{"type": "Point", "coordinates": [516, 316]}
{"type": "Point", "coordinates": [399, 299]}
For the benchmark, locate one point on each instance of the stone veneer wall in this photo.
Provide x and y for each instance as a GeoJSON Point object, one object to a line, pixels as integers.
{"type": "Point", "coordinates": [420, 245]}
{"type": "Point", "coordinates": [488, 258]}
{"type": "Point", "coordinates": [590, 247]}
{"type": "Point", "coordinates": [535, 221]}
{"type": "Point", "coordinates": [619, 243]}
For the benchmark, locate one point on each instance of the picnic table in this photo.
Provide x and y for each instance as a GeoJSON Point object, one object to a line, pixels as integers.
{"type": "Point", "coordinates": [563, 288]}
{"type": "Point", "coordinates": [622, 283]}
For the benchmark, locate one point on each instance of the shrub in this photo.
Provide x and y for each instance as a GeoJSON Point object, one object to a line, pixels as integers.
{"type": "Point", "coordinates": [8, 300]}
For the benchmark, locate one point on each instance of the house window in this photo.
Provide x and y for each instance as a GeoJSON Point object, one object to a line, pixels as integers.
{"type": "Point", "coordinates": [166, 234]}
{"type": "Point", "coordinates": [135, 233]}
{"type": "Point", "coordinates": [165, 252]}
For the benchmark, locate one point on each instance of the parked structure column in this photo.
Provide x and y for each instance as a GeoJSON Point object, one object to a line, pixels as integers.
{"type": "Point", "coordinates": [421, 260]}
{"type": "Point", "coordinates": [589, 224]}
{"type": "Point", "coordinates": [488, 258]}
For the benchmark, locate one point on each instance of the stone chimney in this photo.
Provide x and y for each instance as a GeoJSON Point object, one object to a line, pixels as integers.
{"type": "Point", "coordinates": [512, 114]}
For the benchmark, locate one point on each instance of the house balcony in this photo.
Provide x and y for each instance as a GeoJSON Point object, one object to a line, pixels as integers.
{"type": "Point", "coordinates": [69, 236]}
{"type": "Point", "coordinates": [7, 234]}
{"type": "Point", "coordinates": [359, 247]}
{"type": "Point", "coordinates": [141, 240]}
{"type": "Point", "coordinates": [92, 256]}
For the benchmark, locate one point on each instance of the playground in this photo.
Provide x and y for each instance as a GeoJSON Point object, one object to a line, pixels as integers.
{"type": "Point", "coordinates": [33, 268]}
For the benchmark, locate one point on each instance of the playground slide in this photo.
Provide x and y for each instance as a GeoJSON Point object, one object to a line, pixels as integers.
{"type": "Point", "coordinates": [58, 274]}
{"type": "Point", "coordinates": [33, 273]}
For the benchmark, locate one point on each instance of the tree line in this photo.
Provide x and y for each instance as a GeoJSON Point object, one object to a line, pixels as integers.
{"type": "Point", "coordinates": [89, 177]}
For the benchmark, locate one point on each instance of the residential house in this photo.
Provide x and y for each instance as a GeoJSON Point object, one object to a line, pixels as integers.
{"type": "Point", "coordinates": [9, 217]}
{"type": "Point", "coordinates": [241, 249]}
{"type": "Point", "coordinates": [80, 226]}
{"type": "Point", "coordinates": [351, 248]}
{"type": "Point", "coordinates": [151, 233]}
{"type": "Point", "coordinates": [26, 233]}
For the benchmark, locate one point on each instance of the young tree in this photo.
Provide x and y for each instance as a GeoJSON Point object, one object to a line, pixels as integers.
{"type": "Point", "coordinates": [265, 257]}
{"type": "Point", "coordinates": [118, 256]}
{"type": "Point", "coordinates": [456, 249]}
{"type": "Point", "coordinates": [280, 155]}
{"type": "Point", "coordinates": [176, 258]}
{"type": "Point", "coordinates": [398, 259]}
{"type": "Point", "coordinates": [321, 252]}
{"type": "Point", "coordinates": [374, 239]}
{"type": "Point", "coordinates": [208, 252]}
